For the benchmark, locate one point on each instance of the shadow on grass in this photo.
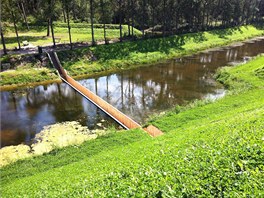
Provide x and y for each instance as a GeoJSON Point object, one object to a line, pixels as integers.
{"type": "Point", "coordinates": [223, 33]}
{"type": "Point", "coordinates": [12, 40]}
{"type": "Point", "coordinates": [121, 51]}
{"type": "Point", "coordinates": [259, 26]}
{"type": "Point", "coordinates": [34, 28]}
{"type": "Point", "coordinates": [164, 45]}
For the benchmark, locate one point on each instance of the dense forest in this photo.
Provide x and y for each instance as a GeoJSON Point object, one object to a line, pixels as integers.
{"type": "Point", "coordinates": [150, 16]}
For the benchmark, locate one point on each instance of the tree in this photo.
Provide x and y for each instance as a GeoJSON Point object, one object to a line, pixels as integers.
{"type": "Point", "coordinates": [14, 22]}
{"type": "Point", "coordinates": [21, 6]}
{"type": "Point", "coordinates": [120, 10]}
{"type": "Point", "coordinates": [92, 22]}
{"type": "Point", "coordinates": [3, 40]}
{"type": "Point", "coordinates": [102, 5]}
{"type": "Point", "coordinates": [51, 8]}
{"type": "Point", "coordinates": [66, 4]}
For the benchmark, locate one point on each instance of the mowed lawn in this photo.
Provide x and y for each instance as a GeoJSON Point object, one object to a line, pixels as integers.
{"type": "Point", "coordinates": [80, 32]}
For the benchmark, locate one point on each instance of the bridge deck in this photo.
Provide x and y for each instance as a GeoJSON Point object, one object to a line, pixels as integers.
{"type": "Point", "coordinates": [117, 115]}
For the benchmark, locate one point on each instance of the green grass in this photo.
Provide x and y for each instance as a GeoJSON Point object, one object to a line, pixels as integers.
{"type": "Point", "coordinates": [132, 54]}
{"type": "Point", "coordinates": [28, 76]}
{"type": "Point", "coordinates": [137, 53]}
{"type": "Point", "coordinates": [209, 149]}
{"type": "Point", "coordinates": [80, 33]}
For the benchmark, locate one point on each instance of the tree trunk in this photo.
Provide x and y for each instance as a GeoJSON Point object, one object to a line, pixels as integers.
{"type": "Point", "coordinates": [143, 18]}
{"type": "Point", "coordinates": [153, 21]}
{"type": "Point", "coordinates": [103, 15]}
{"type": "Point", "coordinates": [164, 18]}
{"type": "Point", "coordinates": [52, 32]}
{"type": "Point", "coordinates": [92, 25]}
{"type": "Point", "coordinates": [3, 41]}
{"type": "Point", "coordinates": [68, 23]}
{"type": "Point", "coordinates": [129, 27]}
{"type": "Point", "coordinates": [14, 21]}
{"type": "Point", "coordinates": [73, 10]}
{"type": "Point", "coordinates": [24, 15]}
{"type": "Point", "coordinates": [48, 27]}
{"type": "Point", "coordinates": [63, 12]}
{"type": "Point", "coordinates": [133, 13]}
{"type": "Point", "coordinates": [120, 20]}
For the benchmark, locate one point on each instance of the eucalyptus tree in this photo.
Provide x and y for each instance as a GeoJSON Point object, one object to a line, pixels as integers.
{"type": "Point", "coordinates": [120, 10]}
{"type": "Point", "coordinates": [154, 5]}
{"type": "Point", "coordinates": [92, 20]}
{"type": "Point", "coordinates": [20, 4]}
{"type": "Point", "coordinates": [103, 16]}
{"type": "Point", "coordinates": [9, 11]}
{"type": "Point", "coordinates": [143, 16]}
{"type": "Point", "coordinates": [50, 20]}
{"type": "Point", "coordinates": [66, 4]}
{"type": "Point", "coordinates": [164, 10]}
{"type": "Point", "coordinates": [3, 39]}
{"type": "Point", "coordinates": [133, 12]}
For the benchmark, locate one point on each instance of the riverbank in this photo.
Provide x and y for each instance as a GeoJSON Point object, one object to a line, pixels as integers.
{"type": "Point", "coordinates": [88, 62]}
{"type": "Point", "coordinates": [208, 149]}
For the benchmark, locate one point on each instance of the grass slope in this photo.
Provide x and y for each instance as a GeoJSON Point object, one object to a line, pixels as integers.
{"type": "Point", "coordinates": [134, 54]}
{"type": "Point", "coordinates": [208, 149]}
{"type": "Point", "coordinates": [130, 54]}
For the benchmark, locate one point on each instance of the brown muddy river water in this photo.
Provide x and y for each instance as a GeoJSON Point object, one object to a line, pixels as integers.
{"type": "Point", "coordinates": [139, 93]}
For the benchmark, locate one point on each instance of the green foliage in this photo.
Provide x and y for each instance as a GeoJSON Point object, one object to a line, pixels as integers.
{"type": "Point", "coordinates": [209, 149]}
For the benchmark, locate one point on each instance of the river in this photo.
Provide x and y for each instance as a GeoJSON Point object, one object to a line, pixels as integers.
{"type": "Point", "coordinates": [139, 93]}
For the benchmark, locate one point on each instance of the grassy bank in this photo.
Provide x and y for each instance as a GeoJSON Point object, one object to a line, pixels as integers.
{"type": "Point", "coordinates": [88, 61]}
{"type": "Point", "coordinates": [210, 149]}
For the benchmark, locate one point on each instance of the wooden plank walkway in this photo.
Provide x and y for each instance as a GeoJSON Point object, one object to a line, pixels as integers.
{"type": "Point", "coordinates": [117, 115]}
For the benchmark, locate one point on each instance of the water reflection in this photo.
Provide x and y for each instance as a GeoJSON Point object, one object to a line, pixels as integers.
{"type": "Point", "coordinates": [25, 112]}
{"type": "Point", "coordinates": [138, 93]}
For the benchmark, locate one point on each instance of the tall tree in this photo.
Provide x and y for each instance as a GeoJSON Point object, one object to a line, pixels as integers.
{"type": "Point", "coordinates": [164, 18]}
{"type": "Point", "coordinates": [66, 5]}
{"type": "Point", "coordinates": [3, 40]}
{"type": "Point", "coordinates": [92, 20]}
{"type": "Point", "coordinates": [143, 21]}
{"type": "Point", "coordinates": [21, 6]}
{"type": "Point", "coordinates": [51, 8]}
{"type": "Point", "coordinates": [133, 12]}
{"type": "Point", "coordinates": [102, 5]}
{"type": "Point", "coordinates": [120, 10]}
{"type": "Point", "coordinates": [15, 26]}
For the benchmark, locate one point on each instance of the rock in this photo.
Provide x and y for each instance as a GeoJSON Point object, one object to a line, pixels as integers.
{"type": "Point", "coordinates": [25, 43]}
{"type": "Point", "coordinates": [99, 124]}
{"type": "Point", "coordinates": [5, 66]}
